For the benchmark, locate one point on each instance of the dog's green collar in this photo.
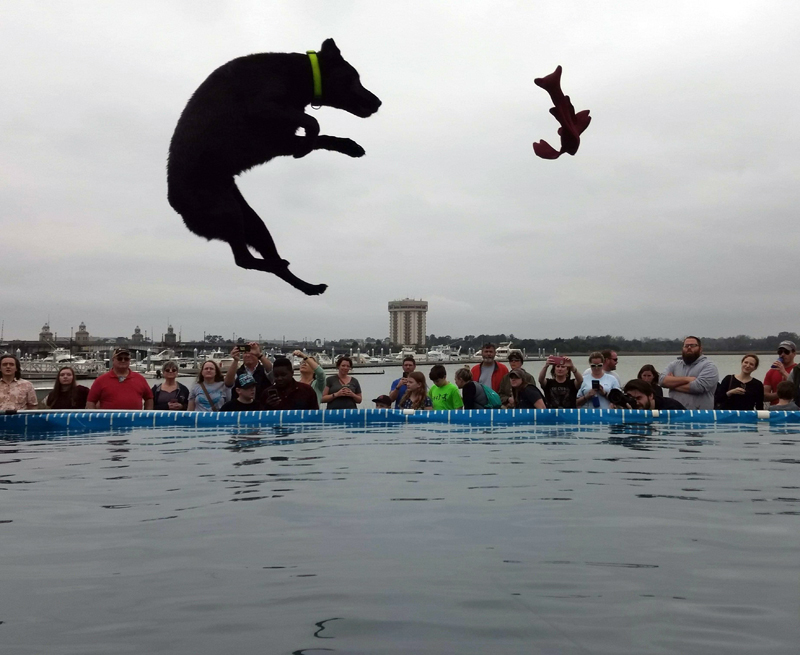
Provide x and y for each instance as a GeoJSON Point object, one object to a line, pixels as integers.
{"type": "Point", "coordinates": [312, 56]}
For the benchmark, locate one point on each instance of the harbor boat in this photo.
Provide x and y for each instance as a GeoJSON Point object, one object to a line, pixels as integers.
{"type": "Point", "coordinates": [503, 349]}
{"type": "Point", "coordinates": [223, 359]}
{"type": "Point", "coordinates": [405, 351]}
{"type": "Point", "coordinates": [47, 368]}
{"type": "Point", "coordinates": [442, 354]}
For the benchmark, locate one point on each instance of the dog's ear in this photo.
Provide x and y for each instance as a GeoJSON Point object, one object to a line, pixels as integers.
{"type": "Point", "coordinates": [329, 47]}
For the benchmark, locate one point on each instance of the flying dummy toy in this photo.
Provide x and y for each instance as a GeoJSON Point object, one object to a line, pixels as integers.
{"type": "Point", "coordinates": [572, 124]}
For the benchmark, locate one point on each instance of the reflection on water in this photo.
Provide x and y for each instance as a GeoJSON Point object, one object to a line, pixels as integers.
{"type": "Point", "coordinates": [564, 539]}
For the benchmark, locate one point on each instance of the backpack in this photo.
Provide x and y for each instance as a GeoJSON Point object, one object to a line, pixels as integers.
{"type": "Point", "coordinates": [492, 398]}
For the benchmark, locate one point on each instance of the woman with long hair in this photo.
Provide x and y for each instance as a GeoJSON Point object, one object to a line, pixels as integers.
{"type": "Point", "coordinates": [524, 395]}
{"type": "Point", "coordinates": [649, 374]}
{"type": "Point", "coordinates": [67, 393]}
{"type": "Point", "coordinates": [416, 395]}
{"type": "Point", "coordinates": [342, 391]}
{"type": "Point", "coordinates": [170, 394]}
{"type": "Point", "coordinates": [15, 393]}
{"type": "Point", "coordinates": [741, 390]}
{"type": "Point", "coordinates": [210, 393]}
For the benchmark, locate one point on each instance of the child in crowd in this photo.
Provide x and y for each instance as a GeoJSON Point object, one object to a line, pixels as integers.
{"type": "Point", "coordinates": [246, 402]}
{"type": "Point", "coordinates": [382, 402]}
{"type": "Point", "coordinates": [416, 395]}
{"type": "Point", "coordinates": [443, 394]}
{"type": "Point", "coordinates": [785, 391]}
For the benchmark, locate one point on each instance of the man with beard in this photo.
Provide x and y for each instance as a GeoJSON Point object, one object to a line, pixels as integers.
{"type": "Point", "coordinates": [489, 372]}
{"type": "Point", "coordinates": [642, 392]}
{"type": "Point", "coordinates": [692, 378]}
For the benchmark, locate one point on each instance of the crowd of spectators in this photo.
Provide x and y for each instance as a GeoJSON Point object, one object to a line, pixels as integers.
{"type": "Point", "coordinates": [258, 384]}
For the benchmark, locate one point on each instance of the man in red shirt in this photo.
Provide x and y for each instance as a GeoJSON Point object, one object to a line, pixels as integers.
{"type": "Point", "coordinates": [120, 388]}
{"type": "Point", "coordinates": [780, 370]}
{"type": "Point", "coordinates": [286, 393]}
{"type": "Point", "coordinates": [489, 372]}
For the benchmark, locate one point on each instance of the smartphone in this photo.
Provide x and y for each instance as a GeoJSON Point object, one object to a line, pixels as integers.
{"type": "Point", "coordinates": [244, 348]}
{"type": "Point", "coordinates": [595, 384]}
{"type": "Point", "coordinates": [558, 361]}
{"type": "Point", "coordinates": [272, 392]}
{"type": "Point", "coordinates": [405, 374]}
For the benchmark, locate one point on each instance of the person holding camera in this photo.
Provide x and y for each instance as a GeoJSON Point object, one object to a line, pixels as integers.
{"type": "Point", "coordinates": [286, 393]}
{"type": "Point", "coordinates": [610, 359]}
{"type": "Point", "coordinates": [311, 373]}
{"type": "Point", "coordinates": [638, 394]}
{"type": "Point", "coordinates": [254, 362]}
{"type": "Point", "coordinates": [594, 389]}
{"type": "Point", "coordinates": [560, 389]}
{"type": "Point", "coordinates": [399, 387]}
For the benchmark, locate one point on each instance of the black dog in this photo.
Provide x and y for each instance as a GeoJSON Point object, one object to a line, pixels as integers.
{"type": "Point", "coordinates": [245, 113]}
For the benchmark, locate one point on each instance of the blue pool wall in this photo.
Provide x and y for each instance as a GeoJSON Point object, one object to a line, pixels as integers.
{"type": "Point", "coordinates": [32, 422]}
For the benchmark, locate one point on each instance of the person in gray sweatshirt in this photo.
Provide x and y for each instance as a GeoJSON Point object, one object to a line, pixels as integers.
{"type": "Point", "coordinates": [692, 378]}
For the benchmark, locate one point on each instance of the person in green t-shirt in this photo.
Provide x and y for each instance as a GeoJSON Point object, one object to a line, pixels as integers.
{"type": "Point", "coordinates": [443, 394]}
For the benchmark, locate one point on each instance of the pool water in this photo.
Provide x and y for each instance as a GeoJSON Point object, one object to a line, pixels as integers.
{"type": "Point", "coordinates": [429, 539]}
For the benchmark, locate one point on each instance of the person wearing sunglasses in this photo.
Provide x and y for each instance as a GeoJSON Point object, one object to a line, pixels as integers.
{"type": "Point", "coordinates": [515, 362]}
{"type": "Point", "coordinates": [170, 394]}
{"type": "Point", "coordinates": [595, 386]}
{"type": "Point", "coordinates": [610, 359]}
{"type": "Point", "coordinates": [781, 370]}
{"type": "Point", "coordinates": [120, 388]}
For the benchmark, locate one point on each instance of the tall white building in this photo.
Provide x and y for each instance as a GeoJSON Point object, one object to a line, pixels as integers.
{"type": "Point", "coordinates": [408, 321]}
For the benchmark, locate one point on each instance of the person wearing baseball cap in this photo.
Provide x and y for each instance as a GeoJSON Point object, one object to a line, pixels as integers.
{"type": "Point", "coordinates": [781, 370]}
{"type": "Point", "coordinates": [382, 402]}
{"type": "Point", "coordinates": [246, 402]}
{"type": "Point", "coordinates": [120, 388]}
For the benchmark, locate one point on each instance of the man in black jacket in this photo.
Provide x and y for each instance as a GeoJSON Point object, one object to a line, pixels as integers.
{"type": "Point", "coordinates": [643, 393]}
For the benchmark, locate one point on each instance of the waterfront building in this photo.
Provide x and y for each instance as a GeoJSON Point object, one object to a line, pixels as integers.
{"type": "Point", "coordinates": [82, 335]}
{"type": "Point", "coordinates": [46, 334]}
{"type": "Point", "coordinates": [408, 321]}
{"type": "Point", "coordinates": [137, 336]}
{"type": "Point", "coordinates": [170, 338]}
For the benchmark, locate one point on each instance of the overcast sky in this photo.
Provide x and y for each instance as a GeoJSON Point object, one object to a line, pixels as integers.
{"type": "Point", "coordinates": [678, 215]}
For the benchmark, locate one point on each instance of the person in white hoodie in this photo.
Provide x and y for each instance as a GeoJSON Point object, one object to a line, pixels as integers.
{"type": "Point", "coordinates": [692, 378]}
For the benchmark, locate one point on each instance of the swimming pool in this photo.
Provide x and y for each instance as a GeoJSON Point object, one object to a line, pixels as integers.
{"type": "Point", "coordinates": [627, 537]}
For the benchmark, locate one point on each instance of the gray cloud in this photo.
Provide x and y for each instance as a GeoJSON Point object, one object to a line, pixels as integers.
{"type": "Point", "coordinates": [676, 215]}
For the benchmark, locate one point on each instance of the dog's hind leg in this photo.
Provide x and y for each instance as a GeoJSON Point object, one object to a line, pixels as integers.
{"type": "Point", "coordinates": [256, 234]}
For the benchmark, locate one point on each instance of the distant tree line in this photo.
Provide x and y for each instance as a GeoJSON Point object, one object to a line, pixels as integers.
{"type": "Point", "coordinates": [740, 343]}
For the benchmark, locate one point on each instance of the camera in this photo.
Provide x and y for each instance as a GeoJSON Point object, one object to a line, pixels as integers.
{"type": "Point", "coordinates": [244, 348]}
{"type": "Point", "coordinates": [622, 400]}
